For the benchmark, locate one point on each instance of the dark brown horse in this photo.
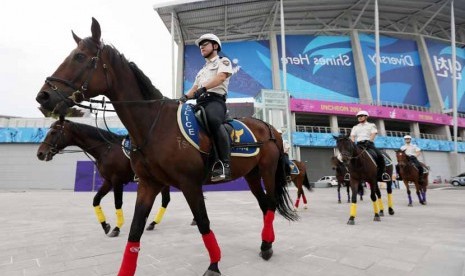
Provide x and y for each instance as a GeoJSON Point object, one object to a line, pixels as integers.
{"type": "Point", "coordinates": [112, 164]}
{"type": "Point", "coordinates": [362, 168]}
{"type": "Point", "coordinates": [409, 173]}
{"type": "Point", "coordinates": [343, 180]}
{"type": "Point", "coordinates": [160, 153]}
{"type": "Point", "coordinates": [300, 180]}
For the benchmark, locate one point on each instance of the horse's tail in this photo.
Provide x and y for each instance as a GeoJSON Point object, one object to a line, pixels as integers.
{"type": "Point", "coordinates": [306, 183]}
{"type": "Point", "coordinates": [283, 200]}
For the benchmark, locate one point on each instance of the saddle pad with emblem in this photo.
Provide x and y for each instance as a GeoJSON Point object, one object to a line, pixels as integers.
{"type": "Point", "coordinates": [190, 129]}
{"type": "Point", "coordinates": [294, 168]}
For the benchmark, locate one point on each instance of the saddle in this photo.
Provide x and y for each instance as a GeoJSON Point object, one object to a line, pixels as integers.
{"type": "Point", "coordinates": [194, 128]}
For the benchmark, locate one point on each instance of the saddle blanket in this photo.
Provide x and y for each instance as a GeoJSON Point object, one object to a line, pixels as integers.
{"type": "Point", "coordinates": [294, 168]}
{"type": "Point", "coordinates": [190, 128]}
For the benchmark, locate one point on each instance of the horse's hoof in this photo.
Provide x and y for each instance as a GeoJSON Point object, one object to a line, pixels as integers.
{"type": "Point", "coordinates": [266, 255]}
{"type": "Point", "coordinates": [351, 221]}
{"type": "Point", "coordinates": [114, 233]}
{"type": "Point", "coordinates": [306, 207]}
{"type": "Point", "coordinates": [381, 213]}
{"type": "Point", "coordinates": [377, 218]}
{"type": "Point", "coordinates": [391, 211]}
{"type": "Point", "coordinates": [151, 226]}
{"type": "Point", "coordinates": [423, 203]}
{"type": "Point", "coordinates": [338, 201]}
{"type": "Point", "coordinates": [410, 205]}
{"type": "Point", "coordinates": [211, 273]}
{"type": "Point", "coordinates": [106, 228]}
{"type": "Point", "coordinates": [193, 223]}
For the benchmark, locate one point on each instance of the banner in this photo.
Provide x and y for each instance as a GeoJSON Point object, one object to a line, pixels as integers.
{"type": "Point", "coordinates": [441, 59]}
{"type": "Point", "coordinates": [401, 74]}
{"type": "Point", "coordinates": [250, 61]}
{"type": "Point", "coordinates": [319, 67]}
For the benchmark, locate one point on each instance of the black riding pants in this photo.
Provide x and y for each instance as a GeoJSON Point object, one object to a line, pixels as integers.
{"type": "Point", "coordinates": [417, 164]}
{"type": "Point", "coordinates": [379, 160]}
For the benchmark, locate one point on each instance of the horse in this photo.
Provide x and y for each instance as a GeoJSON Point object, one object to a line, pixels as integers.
{"type": "Point", "coordinates": [299, 178]}
{"type": "Point", "coordinates": [409, 173]}
{"type": "Point", "coordinates": [161, 153]}
{"type": "Point", "coordinates": [341, 172]}
{"type": "Point", "coordinates": [112, 164]}
{"type": "Point", "coordinates": [362, 167]}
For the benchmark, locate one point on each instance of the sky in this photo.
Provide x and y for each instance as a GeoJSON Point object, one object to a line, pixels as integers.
{"type": "Point", "coordinates": [36, 37]}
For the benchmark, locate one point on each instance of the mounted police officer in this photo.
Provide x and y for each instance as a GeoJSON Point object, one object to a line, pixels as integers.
{"type": "Point", "coordinates": [364, 134]}
{"type": "Point", "coordinates": [210, 90]}
{"type": "Point", "coordinates": [412, 151]}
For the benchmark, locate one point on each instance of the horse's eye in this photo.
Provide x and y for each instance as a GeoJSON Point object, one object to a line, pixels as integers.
{"type": "Point", "coordinates": [79, 57]}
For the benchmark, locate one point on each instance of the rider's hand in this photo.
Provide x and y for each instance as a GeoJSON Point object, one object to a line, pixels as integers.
{"type": "Point", "coordinates": [199, 92]}
{"type": "Point", "coordinates": [183, 99]}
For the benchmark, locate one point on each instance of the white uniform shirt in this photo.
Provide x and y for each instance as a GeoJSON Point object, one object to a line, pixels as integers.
{"type": "Point", "coordinates": [362, 131]}
{"type": "Point", "coordinates": [212, 68]}
{"type": "Point", "coordinates": [410, 149]}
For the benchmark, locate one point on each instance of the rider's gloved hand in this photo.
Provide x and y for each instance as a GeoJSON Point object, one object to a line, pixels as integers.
{"type": "Point", "coordinates": [183, 99]}
{"type": "Point", "coordinates": [199, 92]}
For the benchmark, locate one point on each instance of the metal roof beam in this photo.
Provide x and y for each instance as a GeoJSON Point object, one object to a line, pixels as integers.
{"type": "Point", "coordinates": [434, 15]}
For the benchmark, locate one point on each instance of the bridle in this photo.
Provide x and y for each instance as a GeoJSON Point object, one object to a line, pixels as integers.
{"type": "Point", "coordinates": [54, 143]}
{"type": "Point", "coordinates": [79, 92]}
{"type": "Point", "coordinates": [348, 153]}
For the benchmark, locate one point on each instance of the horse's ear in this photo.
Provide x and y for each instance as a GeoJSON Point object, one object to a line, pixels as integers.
{"type": "Point", "coordinates": [96, 32]}
{"type": "Point", "coordinates": [62, 118]}
{"type": "Point", "coordinates": [76, 38]}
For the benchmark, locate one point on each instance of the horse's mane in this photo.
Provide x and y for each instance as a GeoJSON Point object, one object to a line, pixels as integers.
{"type": "Point", "coordinates": [96, 133]}
{"type": "Point", "coordinates": [148, 90]}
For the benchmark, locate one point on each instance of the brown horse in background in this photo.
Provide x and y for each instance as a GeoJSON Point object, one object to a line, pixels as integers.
{"type": "Point", "coordinates": [112, 164]}
{"type": "Point", "coordinates": [341, 172]}
{"type": "Point", "coordinates": [410, 173]}
{"type": "Point", "coordinates": [300, 180]}
{"type": "Point", "coordinates": [160, 153]}
{"type": "Point", "coordinates": [362, 168]}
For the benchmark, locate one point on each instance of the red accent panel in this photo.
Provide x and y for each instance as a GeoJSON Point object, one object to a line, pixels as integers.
{"type": "Point", "coordinates": [268, 231]}
{"type": "Point", "coordinates": [212, 246]}
{"type": "Point", "coordinates": [129, 264]}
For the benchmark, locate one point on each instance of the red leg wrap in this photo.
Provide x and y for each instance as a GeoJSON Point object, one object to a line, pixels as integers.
{"type": "Point", "coordinates": [305, 199]}
{"type": "Point", "coordinates": [212, 246]}
{"type": "Point", "coordinates": [268, 232]}
{"type": "Point", "coordinates": [297, 203]}
{"type": "Point", "coordinates": [129, 264]}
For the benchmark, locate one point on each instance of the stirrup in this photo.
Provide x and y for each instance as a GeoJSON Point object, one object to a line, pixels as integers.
{"type": "Point", "coordinates": [347, 177]}
{"type": "Point", "coordinates": [385, 177]}
{"type": "Point", "coordinates": [218, 175]}
{"type": "Point", "coordinates": [136, 178]}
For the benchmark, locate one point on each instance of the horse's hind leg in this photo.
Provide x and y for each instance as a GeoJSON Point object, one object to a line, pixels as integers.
{"type": "Point", "coordinates": [194, 196]}
{"type": "Point", "coordinates": [104, 189]}
{"type": "Point", "coordinates": [118, 195]}
{"type": "Point", "coordinates": [389, 196]}
{"type": "Point", "coordinates": [338, 192]}
{"type": "Point", "coordinates": [419, 193]}
{"type": "Point", "coordinates": [409, 194]}
{"type": "Point", "coordinates": [374, 189]}
{"type": "Point", "coordinates": [165, 199]}
{"type": "Point", "coordinates": [145, 197]}
{"type": "Point", "coordinates": [268, 215]}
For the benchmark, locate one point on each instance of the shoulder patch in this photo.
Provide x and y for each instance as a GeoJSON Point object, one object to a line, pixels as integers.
{"type": "Point", "coordinates": [225, 62]}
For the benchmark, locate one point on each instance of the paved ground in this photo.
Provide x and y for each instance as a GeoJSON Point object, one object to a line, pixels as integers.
{"type": "Point", "coordinates": [56, 233]}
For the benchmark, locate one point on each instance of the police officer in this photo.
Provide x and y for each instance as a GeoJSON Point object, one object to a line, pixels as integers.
{"type": "Point", "coordinates": [412, 151]}
{"type": "Point", "coordinates": [286, 148]}
{"type": "Point", "coordinates": [364, 134]}
{"type": "Point", "coordinates": [210, 90]}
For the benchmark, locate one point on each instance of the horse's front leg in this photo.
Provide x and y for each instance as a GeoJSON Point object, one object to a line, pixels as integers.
{"type": "Point", "coordinates": [104, 189]}
{"type": "Point", "coordinates": [373, 187]}
{"type": "Point", "coordinates": [145, 197]}
{"type": "Point", "coordinates": [118, 195]}
{"type": "Point", "coordinates": [353, 207]}
{"type": "Point", "coordinates": [339, 192]}
{"type": "Point", "coordinates": [194, 197]}
{"type": "Point", "coordinates": [379, 200]}
{"type": "Point", "coordinates": [165, 199]}
{"type": "Point", "coordinates": [419, 194]}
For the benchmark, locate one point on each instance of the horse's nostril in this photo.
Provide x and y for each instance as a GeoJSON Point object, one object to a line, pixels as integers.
{"type": "Point", "coordinates": [42, 97]}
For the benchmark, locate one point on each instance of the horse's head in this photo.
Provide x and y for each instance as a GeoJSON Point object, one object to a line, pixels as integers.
{"type": "Point", "coordinates": [402, 158]}
{"type": "Point", "coordinates": [57, 139]}
{"type": "Point", "coordinates": [81, 75]}
{"type": "Point", "coordinates": [345, 146]}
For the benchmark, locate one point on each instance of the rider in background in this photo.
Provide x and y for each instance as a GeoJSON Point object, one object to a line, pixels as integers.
{"type": "Point", "coordinates": [364, 134]}
{"type": "Point", "coordinates": [412, 151]}
{"type": "Point", "coordinates": [210, 90]}
{"type": "Point", "coordinates": [286, 148]}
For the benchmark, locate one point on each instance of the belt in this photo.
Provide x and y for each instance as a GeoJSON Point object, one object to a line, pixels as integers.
{"type": "Point", "coordinates": [212, 94]}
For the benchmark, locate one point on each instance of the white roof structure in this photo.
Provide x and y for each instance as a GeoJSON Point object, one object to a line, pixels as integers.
{"type": "Point", "coordinates": [255, 19]}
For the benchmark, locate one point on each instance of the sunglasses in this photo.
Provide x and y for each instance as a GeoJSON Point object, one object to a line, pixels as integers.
{"type": "Point", "coordinates": [204, 43]}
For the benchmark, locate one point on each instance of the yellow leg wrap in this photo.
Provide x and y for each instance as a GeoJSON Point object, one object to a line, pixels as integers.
{"type": "Point", "coordinates": [390, 200]}
{"type": "Point", "coordinates": [159, 215]}
{"type": "Point", "coordinates": [353, 210]}
{"type": "Point", "coordinates": [375, 207]}
{"type": "Point", "coordinates": [119, 218]}
{"type": "Point", "coordinates": [99, 213]}
{"type": "Point", "coordinates": [380, 204]}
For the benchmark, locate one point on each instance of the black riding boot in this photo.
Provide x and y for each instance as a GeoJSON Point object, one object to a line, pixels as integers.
{"type": "Point", "coordinates": [382, 175]}
{"type": "Point", "coordinates": [399, 177]}
{"type": "Point", "coordinates": [222, 170]}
